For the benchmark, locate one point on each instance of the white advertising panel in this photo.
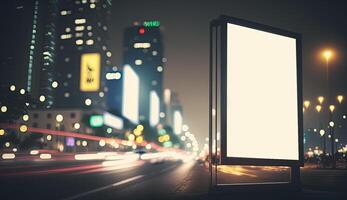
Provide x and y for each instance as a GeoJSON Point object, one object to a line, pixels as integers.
{"type": "Point", "coordinates": [131, 94]}
{"type": "Point", "coordinates": [154, 108]}
{"type": "Point", "coordinates": [262, 95]}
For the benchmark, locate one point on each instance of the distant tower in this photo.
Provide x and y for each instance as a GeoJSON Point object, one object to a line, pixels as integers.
{"type": "Point", "coordinates": [143, 51]}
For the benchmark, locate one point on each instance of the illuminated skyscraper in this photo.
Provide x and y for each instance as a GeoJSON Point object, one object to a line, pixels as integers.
{"type": "Point", "coordinates": [143, 51]}
{"type": "Point", "coordinates": [16, 57]}
{"type": "Point", "coordinates": [46, 53]}
{"type": "Point", "coordinates": [83, 55]}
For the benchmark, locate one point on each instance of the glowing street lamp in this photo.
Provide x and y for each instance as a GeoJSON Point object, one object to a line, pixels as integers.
{"type": "Point", "coordinates": [320, 99]}
{"type": "Point", "coordinates": [327, 54]}
{"type": "Point", "coordinates": [331, 108]}
{"type": "Point", "coordinates": [318, 108]}
{"type": "Point", "coordinates": [307, 104]}
{"type": "Point", "coordinates": [323, 140]}
{"type": "Point", "coordinates": [332, 124]}
{"type": "Point", "coordinates": [340, 98]}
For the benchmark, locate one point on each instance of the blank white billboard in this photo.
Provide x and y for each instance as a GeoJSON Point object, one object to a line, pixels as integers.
{"type": "Point", "coordinates": [154, 108]}
{"type": "Point", "coordinates": [262, 105]}
{"type": "Point", "coordinates": [178, 122]}
{"type": "Point", "coordinates": [131, 94]}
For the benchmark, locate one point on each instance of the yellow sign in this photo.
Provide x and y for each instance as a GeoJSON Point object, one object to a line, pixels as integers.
{"type": "Point", "coordinates": [90, 72]}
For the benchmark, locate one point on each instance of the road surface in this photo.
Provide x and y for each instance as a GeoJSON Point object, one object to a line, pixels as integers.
{"type": "Point", "coordinates": [144, 179]}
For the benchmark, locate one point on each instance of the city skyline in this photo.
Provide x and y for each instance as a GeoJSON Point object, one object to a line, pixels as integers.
{"type": "Point", "coordinates": [186, 43]}
{"type": "Point", "coordinates": [173, 99]}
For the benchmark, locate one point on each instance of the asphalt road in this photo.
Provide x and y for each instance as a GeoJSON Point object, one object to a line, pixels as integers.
{"type": "Point", "coordinates": [145, 180]}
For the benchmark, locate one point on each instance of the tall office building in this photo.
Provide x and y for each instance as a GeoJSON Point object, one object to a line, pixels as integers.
{"type": "Point", "coordinates": [143, 52]}
{"type": "Point", "coordinates": [16, 28]}
{"type": "Point", "coordinates": [82, 53]}
{"type": "Point", "coordinates": [45, 36]}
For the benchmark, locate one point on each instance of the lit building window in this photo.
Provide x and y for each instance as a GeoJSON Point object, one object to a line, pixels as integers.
{"type": "Point", "coordinates": [154, 53]}
{"type": "Point", "coordinates": [79, 28]}
{"type": "Point", "coordinates": [138, 62]}
{"type": "Point", "coordinates": [79, 34]}
{"type": "Point", "coordinates": [164, 60]}
{"type": "Point", "coordinates": [159, 68]}
{"type": "Point", "coordinates": [66, 95]}
{"type": "Point", "coordinates": [67, 29]}
{"type": "Point", "coordinates": [92, 5]}
{"type": "Point", "coordinates": [65, 12]}
{"type": "Point", "coordinates": [80, 21]}
{"type": "Point", "coordinates": [59, 118]}
{"type": "Point", "coordinates": [90, 42]}
{"type": "Point", "coordinates": [76, 125]}
{"type": "Point", "coordinates": [46, 53]}
{"type": "Point", "coordinates": [143, 45]}
{"type": "Point", "coordinates": [108, 54]}
{"type": "Point", "coordinates": [3, 109]}
{"type": "Point", "coordinates": [54, 84]}
{"type": "Point", "coordinates": [90, 34]}
{"type": "Point", "coordinates": [79, 42]}
{"type": "Point", "coordinates": [88, 102]}
{"type": "Point", "coordinates": [65, 36]}
{"type": "Point", "coordinates": [22, 91]}
{"type": "Point", "coordinates": [112, 76]}
{"type": "Point", "coordinates": [12, 88]}
{"type": "Point", "coordinates": [101, 94]}
{"type": "Point", "coordinates": [42, 98]}
{"type": "Point", "coordinates": [161, 115]}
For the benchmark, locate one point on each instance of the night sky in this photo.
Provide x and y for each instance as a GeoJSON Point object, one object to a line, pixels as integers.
{"type": "Point", "coordinates": [185, 26]}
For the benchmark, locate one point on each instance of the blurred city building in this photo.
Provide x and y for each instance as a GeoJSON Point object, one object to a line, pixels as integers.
{"type": "Point", "coordinates": [144, 53]}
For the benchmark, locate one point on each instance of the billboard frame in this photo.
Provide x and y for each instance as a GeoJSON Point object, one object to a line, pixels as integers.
{"type": "Point", "coordinates": [218, 112]}
{"type": "Point", "coordinates": [224, 20]}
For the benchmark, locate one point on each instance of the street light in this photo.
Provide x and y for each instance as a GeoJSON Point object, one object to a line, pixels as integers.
{"type": "Point", "coordinates": [327, 54]}
{"type": "Point", "coordinates": [318, 108]}
{"type": "Point", "coordinates": [340, 98]}
{"type": "Point", "coordinates": [323, 143]}
{"type": "Point", "coordinates": [331, 125]}
{"type": "Point", "coordinates": [320, 99]}
{"type": "Point", "coordinates": [307, 104]}
{"type": "Point", "coordinates": [331, 108]}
